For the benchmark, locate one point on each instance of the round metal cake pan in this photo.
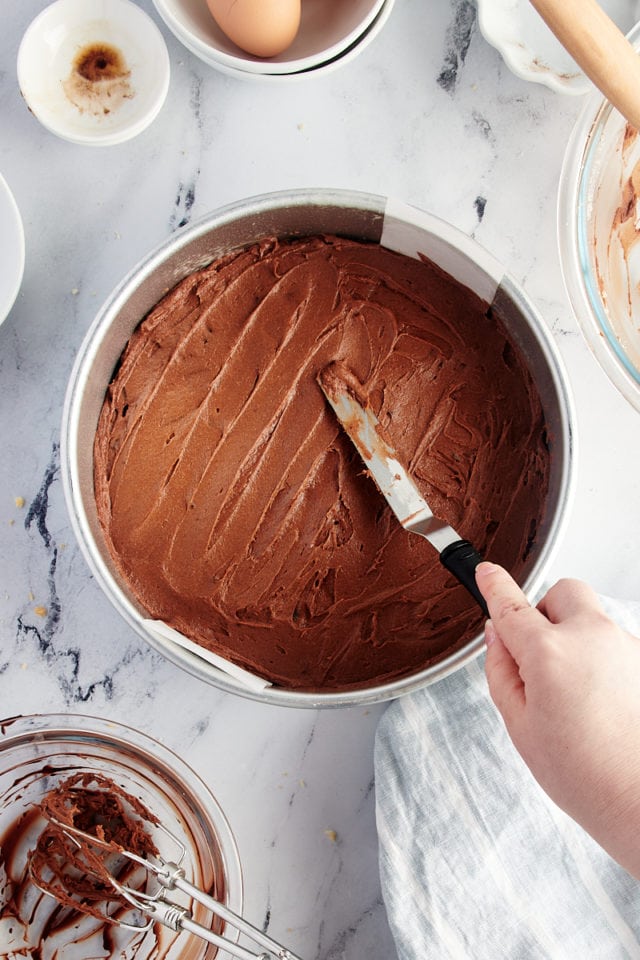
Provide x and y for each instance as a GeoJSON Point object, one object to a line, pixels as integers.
{"type": "Point", "coordinates": [304, 213]}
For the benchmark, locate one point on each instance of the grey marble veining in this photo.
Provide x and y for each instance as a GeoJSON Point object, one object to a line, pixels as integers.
{"type": "Point", "coordinates": [428, 113]}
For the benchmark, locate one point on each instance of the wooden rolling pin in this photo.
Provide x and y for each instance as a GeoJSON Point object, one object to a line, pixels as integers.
{"type": "Point", "coordinates": [599, 48]}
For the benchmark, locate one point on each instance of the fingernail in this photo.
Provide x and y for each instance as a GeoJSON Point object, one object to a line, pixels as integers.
{"type": "Point", "coordinates": [489, 633]}
{"type": "Point", "coordinates": [485, 568]}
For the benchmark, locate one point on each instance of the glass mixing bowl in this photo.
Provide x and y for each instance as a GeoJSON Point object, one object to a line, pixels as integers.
{"type": "Point", "coordinates": [598, 219]}
{"type": "Point", "coordinates": [39, 752]}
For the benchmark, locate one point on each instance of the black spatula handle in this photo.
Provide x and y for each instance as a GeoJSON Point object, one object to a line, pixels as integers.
{"type": "Point", "coordinates": [461, 559]}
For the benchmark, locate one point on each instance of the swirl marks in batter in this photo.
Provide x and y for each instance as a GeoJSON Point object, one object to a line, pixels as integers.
{"type": "Point", "coordinates": [238, 512]}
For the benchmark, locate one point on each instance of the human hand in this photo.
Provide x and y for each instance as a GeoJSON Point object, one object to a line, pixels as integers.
{"type": "Point", "coordinates": [566, 680]}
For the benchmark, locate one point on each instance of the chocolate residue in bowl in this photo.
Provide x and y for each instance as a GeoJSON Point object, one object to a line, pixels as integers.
{"type": "Point", "coordinates": [56, 891]}
{"type": "Point", "coordinates": [237, 511]}
{"type": "Point", "coordinates": [616, 245]}
{"type": "Point", "coordinates": [625, 220]}
{"type": "Point", "coordinates": [99, 81]}
{"type": "Point", "coordinates": [74, 871]}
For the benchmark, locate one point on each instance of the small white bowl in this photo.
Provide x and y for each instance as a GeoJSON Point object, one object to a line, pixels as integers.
{"type": "Point", "coordinates": [328, 67]}
{"type": "Point", "coordinates": [63, 70]}
{"type": "Point", "coordinates": [11, 249]}
{"type": "Point", "coordinates": [530, 49]}
{"type": "Point", "coordinates": [328, 28]}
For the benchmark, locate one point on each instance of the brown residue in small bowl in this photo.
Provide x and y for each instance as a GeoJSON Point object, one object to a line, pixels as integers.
{"type": "Point", "coordinates": [99, 81]}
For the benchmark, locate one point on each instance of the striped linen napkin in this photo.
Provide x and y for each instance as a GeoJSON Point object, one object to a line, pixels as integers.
{"type": "Point", "coordinates": [476, 862]}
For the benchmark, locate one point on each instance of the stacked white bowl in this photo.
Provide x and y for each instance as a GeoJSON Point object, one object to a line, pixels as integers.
{"type": "Point", "coordinates": [332, 32]}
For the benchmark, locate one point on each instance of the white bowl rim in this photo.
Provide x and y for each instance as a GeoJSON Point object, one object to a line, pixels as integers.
{"type": "Point", "coordinates": [266, 67]}
{"type": "Point", "coordinates": [11, 269]}
{"type": "Point", "coordinates": [324, 68]}
{"type": "Point", "coordinates": [552, 66]}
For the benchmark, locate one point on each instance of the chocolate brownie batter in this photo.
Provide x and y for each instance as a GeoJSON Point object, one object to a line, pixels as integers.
{"type": "Point", "coordinates": [237, 510]}
{"type": "Point", "coordinates": [56, 898]}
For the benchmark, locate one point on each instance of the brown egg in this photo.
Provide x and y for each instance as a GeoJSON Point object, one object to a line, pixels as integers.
{"type": "Point", "coordinates": [263, 28]}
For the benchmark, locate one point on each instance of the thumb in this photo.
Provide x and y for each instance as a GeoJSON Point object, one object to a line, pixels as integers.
{"type": "Point", "coordinates": [514, 619]}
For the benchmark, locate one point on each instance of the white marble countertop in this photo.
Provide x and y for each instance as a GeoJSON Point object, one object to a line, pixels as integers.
{"type": "Point", "coordinates": [428, 113]}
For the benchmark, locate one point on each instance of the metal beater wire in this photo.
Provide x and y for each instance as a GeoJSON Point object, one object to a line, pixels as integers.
{"type": "Point", "coordinates": [170, 875]}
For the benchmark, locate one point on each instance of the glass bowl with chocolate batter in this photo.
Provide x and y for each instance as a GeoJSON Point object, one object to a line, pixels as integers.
{"type": "Point", "coordinates": [599, 231]}
{"type": "Point", "coordinates": [216, 497]}
{"type": "Point", "coordinates": [59, 759]}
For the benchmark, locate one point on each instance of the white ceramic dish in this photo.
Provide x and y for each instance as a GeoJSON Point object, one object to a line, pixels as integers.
{"type": "Point", "coordinates": [11, 249]}
{"type": "Point", "coordinates": [346, 57]}
{"type": "Point", "coordinates": [328, 28]}
{"type": "Point", "coordinates": [530, 49]}
{"type": "Point", "coordinates": [94, 72]}
{"type": "Point", "coordinates": [598, 218]}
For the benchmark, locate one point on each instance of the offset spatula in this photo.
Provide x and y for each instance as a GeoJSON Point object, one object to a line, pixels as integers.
{"type": "Point", "coordinates": [401, 493]}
